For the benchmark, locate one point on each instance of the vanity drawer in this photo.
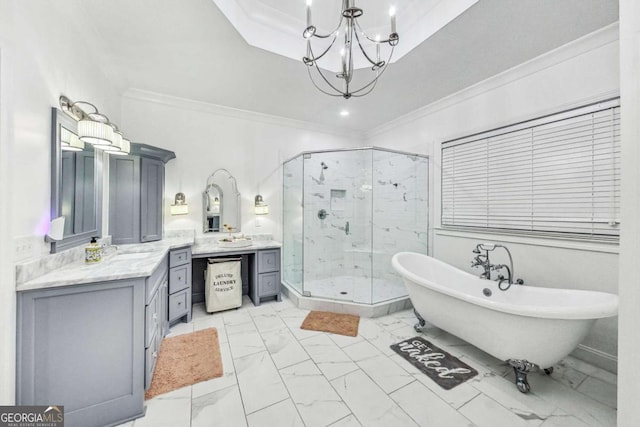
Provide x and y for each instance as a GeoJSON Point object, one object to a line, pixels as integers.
{"type": "Point", "coordinates": [154, 281]}
{"type": "Point", "coordinates": [153, 319]}
{"type": "Point", "coordinates": [268, 260]}
{"type": "Point", "coordinates": [268, 284]}
{"type": "Point", "coordinates": [151, 357]}
{"type": "Point", "coordinates": [178, 304]}
{"type": "Point", "coordinates": [179, 257]}
{"type": "Point", "coordinates": [179, 278]}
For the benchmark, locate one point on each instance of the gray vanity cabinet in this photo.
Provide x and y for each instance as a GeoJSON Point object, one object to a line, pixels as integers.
{"type": "Point", "coordinates": [155, 319]}
{"type": "Point", "coordinates": [151, 197]}
{"type": "Point", "coordinates": [136, 194]}
{"type": "Point", "coordinates": [91, 347]}
{"type": "Point", "coordinates": [268, 276]}
{"type": "Point", "coordinates": [124, 199]}
{"type": "Point", "coordinates": [83, 347]}
{"type": "Point", "coordinates": [180, 284]}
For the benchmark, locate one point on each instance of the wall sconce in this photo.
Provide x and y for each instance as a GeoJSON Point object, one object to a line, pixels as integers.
{"type": "Point", "coordinates": [260, 207]}
{"type": "Point", "coordinates": [95, 128]}
{"type": "Point", "coordinates": [180, 206]}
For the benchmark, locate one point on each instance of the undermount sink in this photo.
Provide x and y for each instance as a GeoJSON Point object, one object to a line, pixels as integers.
{"type": "Point", "coordinates": [132, 255]}
{"type": "Point", "coordinates": [235, 242]}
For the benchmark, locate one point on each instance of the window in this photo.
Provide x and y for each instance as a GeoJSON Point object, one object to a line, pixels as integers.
{"type": "Point", "coordinates": [556, 174]}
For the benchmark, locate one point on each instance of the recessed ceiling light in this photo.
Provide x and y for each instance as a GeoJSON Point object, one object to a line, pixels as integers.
{"type": "Point", "coordinates": [344, 113]}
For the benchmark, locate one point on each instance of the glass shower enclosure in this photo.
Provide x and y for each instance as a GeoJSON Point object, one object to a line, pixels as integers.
{"type": "Point", "coordinates": [345, 214]}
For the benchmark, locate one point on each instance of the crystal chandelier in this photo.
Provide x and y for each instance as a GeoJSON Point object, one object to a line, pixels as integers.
{"type": "Point", "coordinates": [348, 33]}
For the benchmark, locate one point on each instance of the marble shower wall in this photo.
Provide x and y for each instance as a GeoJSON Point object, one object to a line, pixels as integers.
{"type": "Point", "coordinates": [400, 213]}
{"type": "Point", "coordinates": [343, 189]}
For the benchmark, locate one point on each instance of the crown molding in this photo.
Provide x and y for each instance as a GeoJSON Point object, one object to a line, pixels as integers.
{"type": "Point", "coordinates": [585, 44]}
{"type": "Point", "coordinates": [236, 113]}
{"type": "Point", "coordinates": [278, 29]}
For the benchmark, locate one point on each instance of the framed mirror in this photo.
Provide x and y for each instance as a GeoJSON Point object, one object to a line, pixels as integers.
{"type": "Point", "coordinates": [221, 203]}
{"type": "Point", "coordinates": [76, 183]}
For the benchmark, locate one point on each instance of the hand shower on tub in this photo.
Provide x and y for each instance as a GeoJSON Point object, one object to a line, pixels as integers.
{"type": "Point", "coordinates": [483, 261]}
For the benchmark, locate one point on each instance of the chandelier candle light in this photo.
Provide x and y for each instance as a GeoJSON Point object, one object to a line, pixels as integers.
{"type": "Point", "coordinates": [352, 33]}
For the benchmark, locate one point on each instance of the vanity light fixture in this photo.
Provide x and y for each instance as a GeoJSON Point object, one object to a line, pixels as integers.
{"type": "Point", "coordinates": [116, 140]}
{"type": "Point", "coordinates": [124, 144]}
{"type": "Point", "coordinates": [260, 207]}
{"type": "Point", "coordinates": [180, 206]}
{"type": "Point", "coordinates": [95, 128]}
{"type": "Point", "coordinates": [96, 131]}
{"type": "Point", "coordinates": [69, 141]}
{"type": "Point", "coordinates": [348, 33]}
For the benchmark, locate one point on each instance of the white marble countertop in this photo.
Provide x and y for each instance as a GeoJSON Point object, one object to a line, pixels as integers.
{"type": "Point", "coordinates": [210, 246]}
{"type": "Point", "coordinates": [130, 261]}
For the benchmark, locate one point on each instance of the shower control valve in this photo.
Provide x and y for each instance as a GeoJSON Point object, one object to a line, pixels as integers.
{"type": "Point", "coordinates": [322, 214]}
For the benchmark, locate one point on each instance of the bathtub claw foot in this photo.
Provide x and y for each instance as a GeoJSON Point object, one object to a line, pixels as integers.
{"type": "Point", "coordinates": [522, 383]}
{"type": "Point", "coordinates": [421, 322]}
{"type": "Point", "coordinates": [521, 369]}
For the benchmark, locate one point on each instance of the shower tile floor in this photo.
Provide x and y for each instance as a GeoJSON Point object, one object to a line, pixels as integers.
{"type": "Point", "coordinates": [276, 374]}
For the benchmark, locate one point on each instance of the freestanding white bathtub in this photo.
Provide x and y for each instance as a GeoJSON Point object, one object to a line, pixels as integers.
{"type": "Point", "coordinates": [525, 325]}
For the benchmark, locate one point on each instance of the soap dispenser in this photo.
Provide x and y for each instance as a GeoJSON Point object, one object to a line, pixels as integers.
{"type": "Point", "coordinates": [93, 252]}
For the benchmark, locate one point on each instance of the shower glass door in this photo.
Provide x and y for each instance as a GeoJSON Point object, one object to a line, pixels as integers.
{"type": "Point", "coordinates": [337, 199]}
{"type": "Point", "coordinates": [292, 205]}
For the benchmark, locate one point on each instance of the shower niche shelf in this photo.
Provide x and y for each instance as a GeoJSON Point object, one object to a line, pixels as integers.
{"type": "Point", "coordinates": [338, 200]}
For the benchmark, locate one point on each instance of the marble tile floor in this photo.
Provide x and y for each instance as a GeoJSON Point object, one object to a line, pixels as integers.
{"type": "Point", "coordinates": [276, 374]}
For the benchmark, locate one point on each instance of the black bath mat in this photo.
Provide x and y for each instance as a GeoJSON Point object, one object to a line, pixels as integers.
{"type": "Point", "coordinates": [446, 370]}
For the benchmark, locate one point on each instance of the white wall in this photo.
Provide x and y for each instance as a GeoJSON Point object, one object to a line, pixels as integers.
{"type": "Point", "coordinates": [207, 137]}
{"type": "Point", "coordinates": [629, 338]}
{"type": "Point", "coordinates": [573, 75]}
{"type": "Point", "coordinates": [44, 53]}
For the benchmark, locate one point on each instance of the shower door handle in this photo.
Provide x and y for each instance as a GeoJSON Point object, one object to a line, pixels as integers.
{"type": "Point", "coordinates": [346, 228]}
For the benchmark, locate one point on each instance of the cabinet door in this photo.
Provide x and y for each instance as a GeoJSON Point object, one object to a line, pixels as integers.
{"type": "Point", "coordinates": [151, 199]}
{"type": "Point", "coordinates": [268, 260]}
{"type": "Point", "coordinates": [124, 199]}
{"type": "Point", "coordinates": [83, 346]}
{"type": "Point", "coordinates": [164, 308]}
{"type": "Point", "coordinates": [268, 284]}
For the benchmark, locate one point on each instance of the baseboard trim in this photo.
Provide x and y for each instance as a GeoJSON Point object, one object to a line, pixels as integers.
{"type": "Point", "coordinates": [598, 358]}
{"type": "Point", "coordinates": [347, 307]}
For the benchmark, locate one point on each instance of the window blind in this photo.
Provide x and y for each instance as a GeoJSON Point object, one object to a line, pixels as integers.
{"type": "Point", "coordinates": [556, 174]}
